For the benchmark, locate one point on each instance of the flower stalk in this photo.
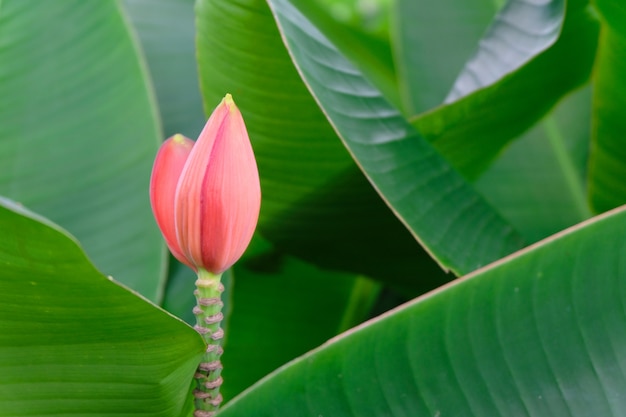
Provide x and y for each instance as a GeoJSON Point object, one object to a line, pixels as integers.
{"type": "Point", "coordinates": [208, 312]}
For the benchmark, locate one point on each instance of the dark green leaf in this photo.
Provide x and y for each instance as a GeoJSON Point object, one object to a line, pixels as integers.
{"type": "Point", "coordinates": [542, 333]}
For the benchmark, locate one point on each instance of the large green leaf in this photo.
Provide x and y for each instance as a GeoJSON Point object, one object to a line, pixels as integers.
{"type": "Point", "coordinates": [73, 342]}
{"type": "Point", "coordinates": [541, 333]}
{"type": "Point", "coordinates": [470, 132]}
{"type": "Point", "coordinates": [166, 29]}
{"type": "Point", "coordinates": [607, 188]}
{"type": "Point", "coordinates": [314, 196]}
{"type": "Point", "coordinates": [450, 219]}
{"type": "Point", "coordinates": [431, 41]}
{"type": "Point", "coordinates": [78, 131]}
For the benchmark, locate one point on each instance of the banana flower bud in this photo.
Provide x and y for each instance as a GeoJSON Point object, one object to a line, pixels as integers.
{"type": "Point", "coordinates": [206, 195]}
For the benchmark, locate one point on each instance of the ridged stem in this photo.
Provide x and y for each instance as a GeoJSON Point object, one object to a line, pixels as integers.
{"type": "Point", "coordinates": [208, 312]}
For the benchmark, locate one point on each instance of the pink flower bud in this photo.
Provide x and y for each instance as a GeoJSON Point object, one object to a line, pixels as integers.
{"type": "Point", "coordinates": [206, 196]}
{"type": "Point", "coordinates": [166, 171]}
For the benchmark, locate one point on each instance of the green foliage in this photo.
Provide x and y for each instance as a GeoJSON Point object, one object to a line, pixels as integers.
{"type": "Point", "coordinates": [394, 143]}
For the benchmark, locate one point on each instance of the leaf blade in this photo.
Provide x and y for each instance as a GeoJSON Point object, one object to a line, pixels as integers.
{"type": "Point", "coordinates": [524, 330]}
{"type": "Point", "coordinates": [80, 333]}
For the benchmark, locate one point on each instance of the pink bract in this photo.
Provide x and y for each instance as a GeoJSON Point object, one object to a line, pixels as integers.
{"type": "Point", "coordinates": [206, 196]}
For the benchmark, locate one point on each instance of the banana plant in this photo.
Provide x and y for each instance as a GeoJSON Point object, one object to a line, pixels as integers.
{"type": "Point", "coordinates": [441, 229]}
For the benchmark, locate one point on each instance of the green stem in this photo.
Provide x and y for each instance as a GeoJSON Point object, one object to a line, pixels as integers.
{"type": "Point", "coordinates": [208, 312]}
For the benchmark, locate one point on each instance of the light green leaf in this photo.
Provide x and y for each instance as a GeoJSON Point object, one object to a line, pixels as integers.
{"type": "Point", "coordinates": [607, 167]}
{"type": "Point", "coordinates": [73, 342]}
{"type": "Point", "coordinates": [541, 333]}
{"type": "Point", "coordinates": [78, 131]}
{"type": "Point", "coordinates": [449, 218]}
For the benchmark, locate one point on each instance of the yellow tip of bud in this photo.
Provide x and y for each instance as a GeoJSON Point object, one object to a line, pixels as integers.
{"type": "Point", "coordinates": [178, 138]}
{"type": "Point", "coordinates": [229, 102]}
